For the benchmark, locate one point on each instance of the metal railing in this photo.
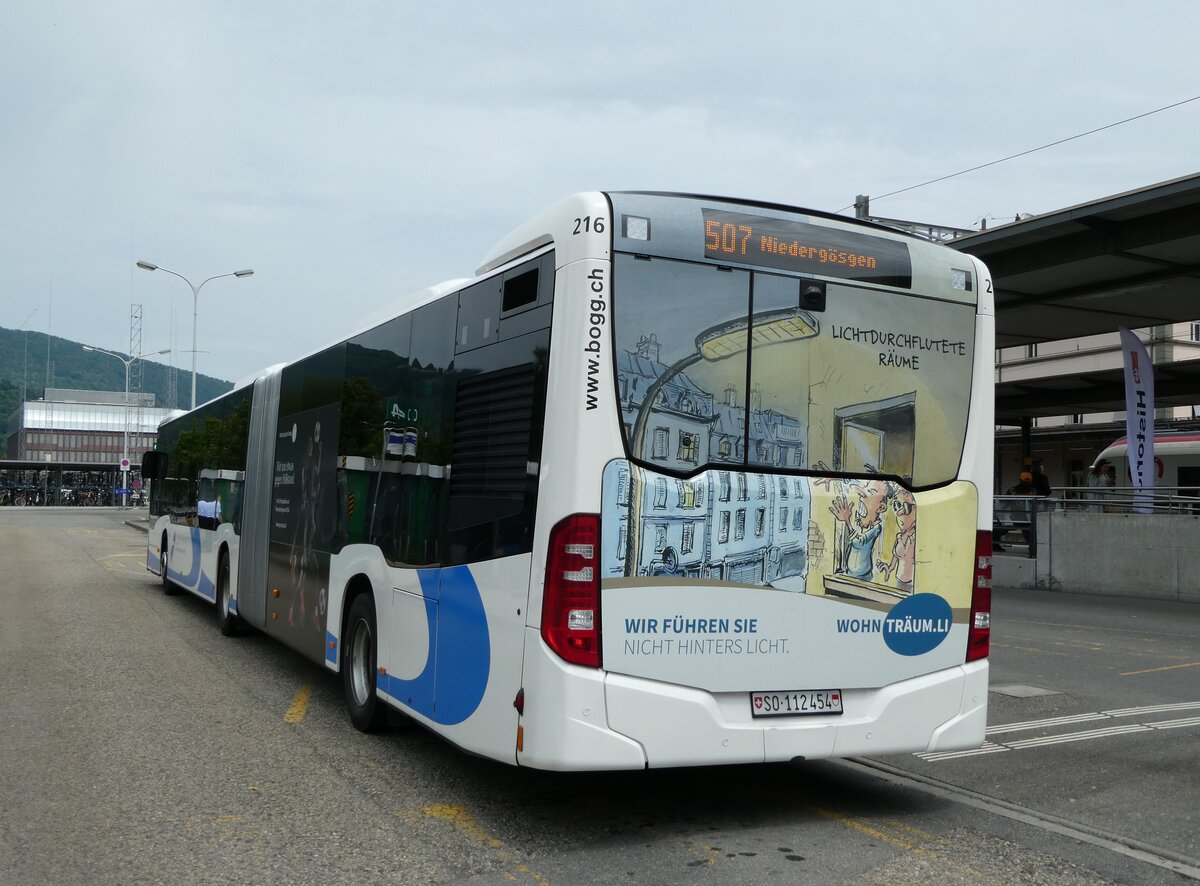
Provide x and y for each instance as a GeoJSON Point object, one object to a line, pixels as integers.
{"type": "Point", "coordinates": [1014, 522]}
{"type": "Point", "coordinates": [1014, 517]}
{"type": "Point", "coordinates": [1182, 500]}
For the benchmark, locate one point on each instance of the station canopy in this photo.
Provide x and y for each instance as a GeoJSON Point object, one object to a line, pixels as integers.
{"type": "Point", "coordinates": [1132, 260]}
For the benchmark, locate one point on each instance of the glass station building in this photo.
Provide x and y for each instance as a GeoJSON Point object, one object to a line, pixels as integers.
{"type": "Point", "coordinates": [66, 448]}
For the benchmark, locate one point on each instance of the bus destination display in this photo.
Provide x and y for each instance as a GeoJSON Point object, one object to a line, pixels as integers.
{"type": "Point", "coordinates": [811, 249]}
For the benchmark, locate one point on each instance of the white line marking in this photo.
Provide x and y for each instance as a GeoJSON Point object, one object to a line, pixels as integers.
{"type": "Point", "coordinates": [1040, 724]}
{"type": "Point", "coordinates": [1175, 724]}
{"type": "Point", "coordinates": [986, 748]}
{"type": "Point", "coordinates": [1094, 715]}
{"type": "Point", "coordinates": [1154, 709]}
{"type": "Point", "coordinates": [1077, 736]}
{"type": "Point", "coordinates": [996, 747]}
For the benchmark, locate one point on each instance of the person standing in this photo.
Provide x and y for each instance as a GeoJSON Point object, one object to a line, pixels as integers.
{"type": "Point", "coordinates": [1097, 483]}
{"type": "Point", "coordinates": [206, 513]}
{"type": "Point", "coordinates": [1023, 513]}
{"type": "Point", "coordinates": [1040, 481]}
{"type": "Point", "coordinates": [1110, 488]}
{"type": "Point", "coordinates": [1024, 486]}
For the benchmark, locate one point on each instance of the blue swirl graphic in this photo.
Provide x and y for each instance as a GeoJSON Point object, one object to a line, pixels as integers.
{"type": "Point", "coordinates": [194, 578]}
{"type": "Point", "coordinates": [452, 684]}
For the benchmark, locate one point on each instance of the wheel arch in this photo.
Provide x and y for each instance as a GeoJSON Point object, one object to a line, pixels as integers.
{"type": "Point", "coordinates": [225, 596]}
{"type": "Point", "coordinates": [356, 586]}
{"type": "Point", "coordinates": [164, 562]}
{"type": "Point", "coordinates": [223, 553]}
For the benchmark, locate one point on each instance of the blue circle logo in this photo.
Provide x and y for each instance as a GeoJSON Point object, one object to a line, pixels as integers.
{"type": "Point", "coordinates": [918, 624]}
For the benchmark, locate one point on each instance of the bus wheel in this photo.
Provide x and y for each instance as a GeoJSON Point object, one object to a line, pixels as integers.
{"type": "Point", "coordinates": [367, 712]}
{"type": "Point", "coordinates": [227, 620]}
{"type": "Point", "coordinates": [167, 586]}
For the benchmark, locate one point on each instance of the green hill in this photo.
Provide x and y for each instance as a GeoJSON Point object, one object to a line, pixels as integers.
{"type": "Point", "coordinates": [73, 367]}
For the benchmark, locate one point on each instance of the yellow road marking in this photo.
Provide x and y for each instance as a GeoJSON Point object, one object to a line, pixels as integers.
{"type": "Point", "coordinates": [1085, 628]}
{"type": "Point", "coordinates": [1036, 649]}
{"type": "Point", "coordinates": [138, 556]}
{"type": "Point", "coordinates": [1190, 664]}
{"type": "Point", "coordinates": [706, 854]}
{"type": "Point", "coordinates": [299, 705]}
{"type": "Point", "coordinates": [458, 816]}
{"type": "Point", "coordinates": [908, 845]}
{"type": "Point", "coordinates": [863, 828]}
{"type": "Point", "coordinates": [461, 819]}
{"type": "Point", "coordinates": [901, 826]}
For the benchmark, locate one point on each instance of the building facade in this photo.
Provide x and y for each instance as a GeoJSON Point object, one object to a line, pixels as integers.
{"type": "Point", "coordinates": [66, 448]}
{"type": "Point", "coordinates": [84, 427]}
{"type": "Point", "coordinates": [1067, 445]}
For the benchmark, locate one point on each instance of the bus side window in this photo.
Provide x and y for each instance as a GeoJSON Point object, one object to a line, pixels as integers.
{"type": "Point", "coordinates": [429, 394]}
{"type": "Point", "coordinates": [499, 410]}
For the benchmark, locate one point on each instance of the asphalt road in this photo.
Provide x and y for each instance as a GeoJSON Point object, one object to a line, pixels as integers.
{"type": "Point", "coordinates": [138, 745]}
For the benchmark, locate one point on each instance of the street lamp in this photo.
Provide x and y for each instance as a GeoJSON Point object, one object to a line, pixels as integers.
{"type": "Point", "coordinates": [24, 387]}
{"type": "Point", "coordinates": [147, 266]}
{"type": "Point", "coordinates": [128, 361]}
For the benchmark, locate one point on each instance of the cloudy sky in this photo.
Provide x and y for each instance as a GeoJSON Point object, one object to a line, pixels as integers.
{"type": "Point", "coordinates": [353, 152]}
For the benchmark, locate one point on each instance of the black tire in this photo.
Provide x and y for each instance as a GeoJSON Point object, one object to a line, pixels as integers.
{"type": "Point", "coordinates": [167, 585]}
{"type": "Point", "coordinates": [227, 620]}
{"type": "Point", "coordinates": [359, 663]}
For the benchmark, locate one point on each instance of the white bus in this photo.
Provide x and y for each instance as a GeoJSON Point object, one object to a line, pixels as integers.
{"type": "Point", "coordinates": [672, 480]}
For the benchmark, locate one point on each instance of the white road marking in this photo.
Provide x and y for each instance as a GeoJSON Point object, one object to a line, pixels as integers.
{"type": "Point", "coordinates": [1095, 715]}
{"type": "Point", "coordinates": [995, 747]}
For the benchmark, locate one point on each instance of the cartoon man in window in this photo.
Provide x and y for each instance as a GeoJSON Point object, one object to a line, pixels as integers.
{"type": "Point", "coordinates": [862, 524]}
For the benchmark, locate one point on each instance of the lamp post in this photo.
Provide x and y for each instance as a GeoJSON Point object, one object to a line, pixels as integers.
{"type": "Point", "coordinates": [128, 361]}
{"type": "Point", "coordinates": [147, 266]}
{"type": "Point", "coordinates": [25, 385]}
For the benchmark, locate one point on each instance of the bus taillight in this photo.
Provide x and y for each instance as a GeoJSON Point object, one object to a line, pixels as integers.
{"type": "Point", "coordinates": [980, 633]}
{"type": "Point", "coordinates": [571, 599]}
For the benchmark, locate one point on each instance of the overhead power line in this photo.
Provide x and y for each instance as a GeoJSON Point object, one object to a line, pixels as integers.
{"type": "Point", "coordinates": [1061, 141]}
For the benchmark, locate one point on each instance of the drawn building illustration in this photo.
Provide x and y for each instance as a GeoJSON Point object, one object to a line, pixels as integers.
{"type": "Point", "coordinates": [838, 536]}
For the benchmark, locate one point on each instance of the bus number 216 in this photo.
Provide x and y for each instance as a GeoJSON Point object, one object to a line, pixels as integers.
{"type": "Point", "coordinates": [589, 224]}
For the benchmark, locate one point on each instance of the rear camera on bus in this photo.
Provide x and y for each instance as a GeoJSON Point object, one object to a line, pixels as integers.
{"type": "Point", "coordinates": [812, 295]}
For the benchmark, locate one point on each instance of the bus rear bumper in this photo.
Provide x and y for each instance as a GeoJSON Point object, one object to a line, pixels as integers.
{"type": "Point", "coordinates": [682, 726]}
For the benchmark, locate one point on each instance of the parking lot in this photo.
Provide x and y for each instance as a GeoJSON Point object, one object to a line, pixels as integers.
{"type": "Point", "coordinates": [139, 745]}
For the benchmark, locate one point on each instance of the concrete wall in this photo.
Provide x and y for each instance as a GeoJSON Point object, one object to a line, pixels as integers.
{"type": "Point", "coordinates": [1124, 555]}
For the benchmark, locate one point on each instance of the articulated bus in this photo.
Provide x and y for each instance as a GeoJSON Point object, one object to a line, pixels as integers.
{"type": "Point", "coordinates": [671, 480]}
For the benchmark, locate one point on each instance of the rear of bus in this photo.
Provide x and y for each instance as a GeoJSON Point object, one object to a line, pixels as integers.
{"type": "Point", "coordinates": [778, 543]}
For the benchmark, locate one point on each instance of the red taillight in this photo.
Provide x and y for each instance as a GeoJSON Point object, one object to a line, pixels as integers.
{"type": "Point", "coordinates": [980, 634]}
{"type": "Point", "coordinates": [571, 598]}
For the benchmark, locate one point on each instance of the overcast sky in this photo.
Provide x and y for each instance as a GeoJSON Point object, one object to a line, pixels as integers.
{"type": "Point", "coordinates": [354, 152]}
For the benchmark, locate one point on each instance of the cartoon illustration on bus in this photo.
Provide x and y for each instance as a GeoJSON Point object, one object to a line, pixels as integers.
{"type": "Point", "coordinates": [758, 528]}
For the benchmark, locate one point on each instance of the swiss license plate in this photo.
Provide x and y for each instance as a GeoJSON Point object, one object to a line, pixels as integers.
{"type": "Point", "coordinates": [797, 703]}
